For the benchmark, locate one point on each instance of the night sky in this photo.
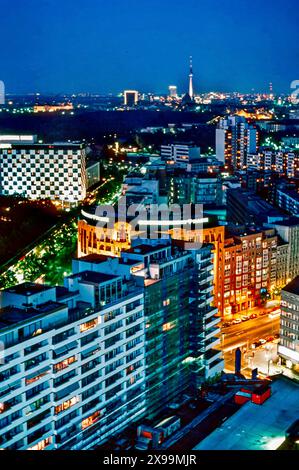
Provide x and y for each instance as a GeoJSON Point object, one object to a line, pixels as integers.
{"type": "Point", "coordinates": [89, 45]}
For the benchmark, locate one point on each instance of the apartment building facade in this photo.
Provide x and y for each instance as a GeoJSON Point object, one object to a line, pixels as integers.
{"type": "Point", "coordinates": [179, 153]}
{"type": "Point", "coordinates": [72, 368]}
{"type": "Point", "coordinates": [249, 269]}
{"type": "Point", "coordinates": [235, 138]}
{"type": "Point", "coordinates": [182, 322]}
{"type": "Point", "coordinates": [288, 347]}
{"type": "Point", "coordinates": [282, 162]}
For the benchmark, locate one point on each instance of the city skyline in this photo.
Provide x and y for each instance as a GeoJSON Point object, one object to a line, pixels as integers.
{"type": "Point", "coordinates": [92, 47]}
{"type": "Point", "coordinates": [149, 229]}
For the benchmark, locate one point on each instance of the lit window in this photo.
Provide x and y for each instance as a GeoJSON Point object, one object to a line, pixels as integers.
{"type": "Point", "coordinates": [168, 326]}
{"type": "Point", "coordinates": [88, 325]}
{"type": "Point", "coordinates": [91, 420]}
{"type": "Point", "coordinates": [42, 444]}
{"type": "Point", "coordinates": [66, 404]}
{"type": "Point", "coordinates": [64, 364]}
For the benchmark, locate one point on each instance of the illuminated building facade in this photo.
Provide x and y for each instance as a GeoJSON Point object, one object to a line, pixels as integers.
{"type": "Point", "coordinates": [249, 269]}
{"type": "Point", "coordinates": [173, 92]}
{"type": "Point", "coordinates": [73, 367]}
{"type": "Point", "coordinates": [288, 347]}
{"type": "Point", "coordinates": [44, 171]}
{"type": "Point", "coordinates": [94, 239]}
{"type": "Point", "coordinates": [166, 278]}
{"type": "Point", "coordinates": [47, 108]}
{"type": "Point", "coordinates": [130, 97]}
{"type": "Point", "coordinates": [196, 188]}
{"type": "Point", "coordinates": [179, 153]}
{"type": "Point", "coordinates": [235, 138]}
{"type": "Point", "coordinates": [287, 200]}
{"type": "Point", "coordinates": [288, 230]}
{"type": "Point", "coordinates": [282, 162]}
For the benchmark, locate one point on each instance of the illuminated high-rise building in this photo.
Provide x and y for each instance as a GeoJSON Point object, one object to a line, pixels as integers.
{"type": "Point", "coordinates": [235, 138]}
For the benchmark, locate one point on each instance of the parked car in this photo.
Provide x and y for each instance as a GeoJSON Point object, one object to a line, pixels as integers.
{"type": "Point", "coordinates": [245, 318]}
{"type": "Point", "coordinates": [264, 312]}
{"type": "Point", "coordinates": [226, 324]}
{"type": "Point", "coordinates": [236, 321]}
{"type": "Point", "coordinates": [262, 341]}
{"type": "Point", "coordinates": [253, 315]}
{"type": "Point", "coordinates": [276, 336]}
{"type": "Point", "coordinates": [255, 345]}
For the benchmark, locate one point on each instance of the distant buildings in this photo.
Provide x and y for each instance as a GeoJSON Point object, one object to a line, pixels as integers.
{"type": "Point", "coordinates": [235, 138]}
{"type": "Point", "coordinates": [288, 230]}
{"type": "Point", "coordinates": [179, 153]}
{"type": "Point", "coordinates": [247, 208]}
{"type": "Point", "coordinates": [173, 92]}
{"type": "Point", "coordinates": [287, 200]}
{"type": "Point", "coordinates": [47, 108]}
{"type": "Point", "coordinates": [44, 171]}
{"type": "Point", "coordinates": [195, 187]}
{"type": "Point", "coordinates": [130, 97]}
{"type": "Point", "coordinates": [281, 162]}
{"type": "Point", "coordinates": [288, 348]}
{"type": "Point", "coordinates": [92, 173]}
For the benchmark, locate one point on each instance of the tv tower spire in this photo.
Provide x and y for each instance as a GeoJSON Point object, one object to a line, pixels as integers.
{"type": "Point", "coordinates": [191, 79]}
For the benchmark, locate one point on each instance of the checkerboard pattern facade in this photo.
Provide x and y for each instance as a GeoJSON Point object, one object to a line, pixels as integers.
{"type": "Point", "coordinates": [56, 172]}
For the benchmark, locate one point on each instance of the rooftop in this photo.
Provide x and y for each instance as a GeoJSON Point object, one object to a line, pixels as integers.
{"type": "Point", "coordinates": [293, 286]}
{"type": "Point", "coordinates": [92, 277]}
{"type": "Point", "coordinates": [144, 249]}
{"type": "Point", "coordinates": [28, 288]}
{"type": "Point", "coordinates": [93, 258]}
{"type": "Point", "coordinates": [12, 315]}
{"type": "Point", "coordinates": [258, 427]}
{"type": "Point", "coordinates": [290, 222]}
{"type": "Point", "coordinates": [56, 145]}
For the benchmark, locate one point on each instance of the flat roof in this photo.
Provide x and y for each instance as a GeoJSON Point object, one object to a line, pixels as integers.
{"type": "Point", "coordinates": [28, 288]}
{"type": "Point", "coordinates": [36, 146]}
{"type": "Point", "coordinates": [290, 222]}
{"type": "Point", "coordinates": [293, 288]}
{"type": "Point", "coordinates": [93, 258]}
{"type": "Point", "coordinates": [12, 315]}
{"type": "Point", "coordinates": [94, 277]}
{"type": "Point", "coordinates": [258, 427]}
{"type": "Point", "coordinates": [144, 249]}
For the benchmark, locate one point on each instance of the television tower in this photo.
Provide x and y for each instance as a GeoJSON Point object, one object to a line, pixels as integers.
{"type": "Point", "coordinates": [191, 79]}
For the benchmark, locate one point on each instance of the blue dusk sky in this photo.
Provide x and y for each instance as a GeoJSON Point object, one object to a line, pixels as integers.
{"type": "Point", "coordinates": [98, 46]}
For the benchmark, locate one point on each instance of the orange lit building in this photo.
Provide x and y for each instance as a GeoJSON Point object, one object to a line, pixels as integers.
{"type": "Point", "coordinates": [104, 241]}
{"type": "Point", "coordinates": [249, 270]}
{"type": "Point", "coordinates": [93, 239]}
{"type": "Point", "coordinates": [246, 266]}
{"type": "Point", "coordinates": [47, 108]}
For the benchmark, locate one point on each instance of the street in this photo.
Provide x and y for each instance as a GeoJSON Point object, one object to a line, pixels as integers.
{"type": "Point", "coordinates": [243, 335]}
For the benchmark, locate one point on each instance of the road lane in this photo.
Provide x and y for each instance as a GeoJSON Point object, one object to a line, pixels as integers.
{"type": "Point", "coordinates": [243, 335]}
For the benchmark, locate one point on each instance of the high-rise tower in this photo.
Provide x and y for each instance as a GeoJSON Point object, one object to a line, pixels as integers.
{"type": "Point", "coordinates": [191, 79]}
